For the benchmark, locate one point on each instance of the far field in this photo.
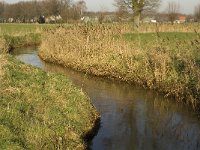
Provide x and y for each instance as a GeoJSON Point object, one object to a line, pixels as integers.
{"type": "Point", "coordinates": [15, 28]}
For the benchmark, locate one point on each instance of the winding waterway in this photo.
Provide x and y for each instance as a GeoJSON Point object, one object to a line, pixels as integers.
{"type": "Point", "coordinates": [131, 118]}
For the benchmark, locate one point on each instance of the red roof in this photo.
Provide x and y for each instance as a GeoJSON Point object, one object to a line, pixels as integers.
{"type": "Point", "coordinates": [183, 18]}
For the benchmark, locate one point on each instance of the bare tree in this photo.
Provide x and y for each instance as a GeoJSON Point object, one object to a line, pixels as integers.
{"type": "Point", "coordinates": [52, 7]}
{"type": "Point", "coordinates": [81, 5]}
{"type": "Point", "coordinates": [122, 10]}
{"type": "Point", "coordinates": [25, 11]}
{"type": "Point", "coordinates": [172, 11]}
{"type": "Point", "coordinates": [1, 9]}
{"type": "Point", "coordinates": [139, 6]}
{"type": "Point", "coordinates": [102, 14]}
{"type": "Point", "coordinates": [197, 13]}
{"type": "Point", "coordinates": [65, 9]}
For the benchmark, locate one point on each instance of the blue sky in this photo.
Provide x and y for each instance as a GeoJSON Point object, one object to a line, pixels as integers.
{"type": "Point", "coordinates": [187, 6]}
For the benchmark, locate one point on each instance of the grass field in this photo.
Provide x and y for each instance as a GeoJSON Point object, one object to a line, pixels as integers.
{"type": "Point", "coordinates": [150, 37]}
{"type": "Point", "coordinates": [40, 110]}
{"type": "Point", "coordinates": [14, 28]}
{"type": "Point", "coordinates": [147, 40]}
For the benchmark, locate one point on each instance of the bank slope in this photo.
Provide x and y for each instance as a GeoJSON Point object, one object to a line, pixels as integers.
{"type": "Point", "coordinates": [166, 62]}
{"type": "Point", "coordinates": [39, 110]}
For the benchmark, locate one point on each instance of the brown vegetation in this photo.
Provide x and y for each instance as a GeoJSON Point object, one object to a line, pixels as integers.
{"type": "Point", "coordinates": [100, 50]}
{"type": "Point", "coordinates": [2, 64]}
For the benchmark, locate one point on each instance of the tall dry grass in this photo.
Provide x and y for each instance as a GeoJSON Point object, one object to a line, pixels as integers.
{"type": "Point", "coordinates": [3, 62]}
{"type": "Point", "coordinates": [3, 45]}
{"type": "Point", "coordinates": [102, 51]}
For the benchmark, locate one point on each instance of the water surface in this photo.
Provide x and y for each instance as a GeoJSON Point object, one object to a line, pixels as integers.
{"type": "Point", "coordinates": [131, 118]}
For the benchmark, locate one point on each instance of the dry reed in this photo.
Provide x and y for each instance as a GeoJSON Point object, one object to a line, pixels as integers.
{"type": "Point", "coordinates": [100, 50]}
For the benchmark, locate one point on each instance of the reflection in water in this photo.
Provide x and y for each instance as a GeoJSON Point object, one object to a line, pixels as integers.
{"type": "Point", "coordinates": [131, 118]}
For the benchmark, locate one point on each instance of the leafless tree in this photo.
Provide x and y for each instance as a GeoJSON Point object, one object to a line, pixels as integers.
{"type": "Point", "coordinates": [102, 14]}
{"type": "Point", "coordinates": [172, 11]}
{"type": "Point", "coordinates": [27, 10]}
{"type": "Point", "coordinates": [122, 11]}
{"type": "Point", "coordinates": [2, 5]}
{"type": "Point", "coordinates": [139, 6]}
{"type": "Point", "coordinates": [197, 13]}
{"type": "Point", "coordinates": [81, 5]}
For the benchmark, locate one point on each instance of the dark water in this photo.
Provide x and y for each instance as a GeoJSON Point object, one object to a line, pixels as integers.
{"type": "Point", "coordinates": [131, 118]}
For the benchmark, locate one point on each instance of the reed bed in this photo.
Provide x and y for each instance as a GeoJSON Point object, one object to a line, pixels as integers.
{"type": "Point", "coordinates": [166, 65]}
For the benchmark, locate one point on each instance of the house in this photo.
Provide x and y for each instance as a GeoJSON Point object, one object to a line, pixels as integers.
{"type": "Point", "coordinates": [182, 19]}
{"type": "Point", "coordinates": [149, 20]}
{"type": "Point", "coordinates": [89, 19]}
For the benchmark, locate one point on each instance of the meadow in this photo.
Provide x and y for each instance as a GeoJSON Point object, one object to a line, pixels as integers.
{"type": "Point", "coordinates": [162, 57]}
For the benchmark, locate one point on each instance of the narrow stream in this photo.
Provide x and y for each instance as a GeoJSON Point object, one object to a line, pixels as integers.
{"type": "Point", "coordinates": [131, 118]}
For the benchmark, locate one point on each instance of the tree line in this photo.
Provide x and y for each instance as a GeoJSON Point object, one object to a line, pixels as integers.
{"type": "Point", "coordinates": [141, 8]}
{"type": "Point", "coordinates": [26, 11]}
{"type": "Point", "coordinates": [32, 10]}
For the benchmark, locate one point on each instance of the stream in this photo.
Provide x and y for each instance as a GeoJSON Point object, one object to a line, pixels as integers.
{"type": "Point", "coordinates": [132, 118]}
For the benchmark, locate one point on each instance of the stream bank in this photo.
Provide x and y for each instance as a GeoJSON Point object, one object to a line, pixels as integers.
{"type": "Point", "coordinates": [131, 117]}
{"type": "Point", "coordinates": [40, 110]}
{"type": "Point", "coordinates": [164, 62]}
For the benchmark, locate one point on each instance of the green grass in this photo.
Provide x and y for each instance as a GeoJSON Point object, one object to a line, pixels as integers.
{"type": "Point", "coordinates": [149, 39]}
{"type": "Point", "coordinates": [39, 110]}
{"type": "Point", "coordinates": [9, 28]}
{"type": "Point", "coordinates": [22, 40]}
{"type": "Point", "coordinates": [164, 35]}
{"type": "Point", "coordinates": [16, 28]}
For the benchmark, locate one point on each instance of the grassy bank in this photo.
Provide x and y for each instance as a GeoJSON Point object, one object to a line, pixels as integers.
{"type": "Point", "coordinates": [39, 110]}
{"type": "Point", "coordinates": [20, 35]}
{"type": "Point", "coordinates": [9, 42]}
{"type": "Point", "coordinates": [16, 41]}
{"type": "Point", "coordinates": [168, 62]}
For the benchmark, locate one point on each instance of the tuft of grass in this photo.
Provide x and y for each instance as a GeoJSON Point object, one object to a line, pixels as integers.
{"type": "Point", "coordinates": [22, 40]}
{"type": "Point", "coordinates": [14, 35]}
{"type": "Point", "coordinates": [167, 62]}
{"type": "Point", "coordinates": [39, 110]}
{"type": "Point", "coordinates": [3, 45]}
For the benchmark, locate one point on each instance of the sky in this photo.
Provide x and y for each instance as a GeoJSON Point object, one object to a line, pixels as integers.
{"type": "Point", "coordinates": [186, 6]}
